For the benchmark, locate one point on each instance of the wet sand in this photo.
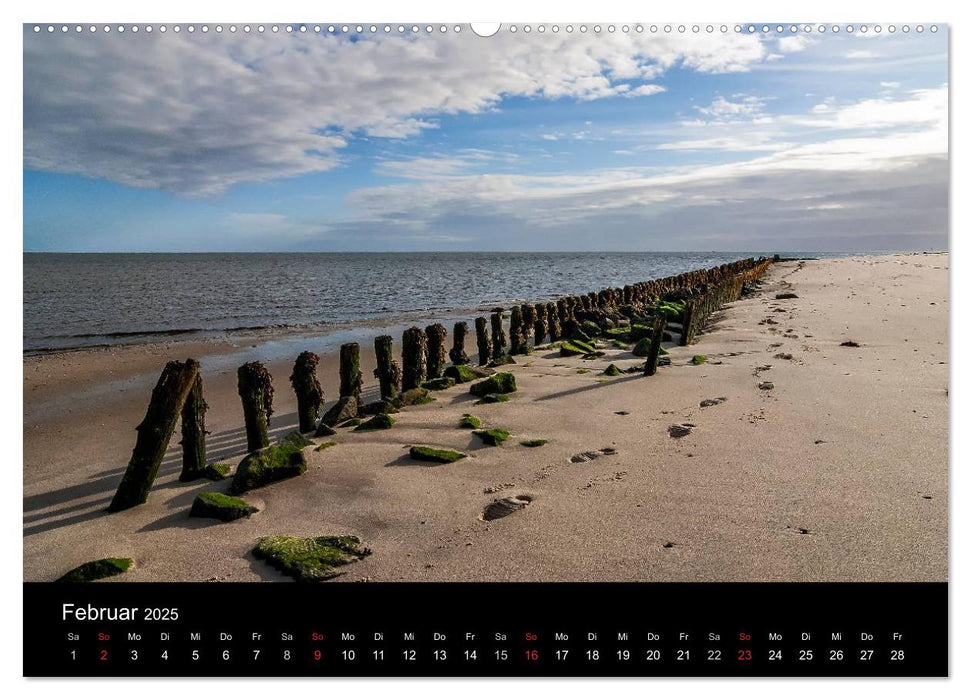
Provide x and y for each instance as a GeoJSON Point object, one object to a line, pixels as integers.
{"type": "Point", "coordinates": [836, 473]}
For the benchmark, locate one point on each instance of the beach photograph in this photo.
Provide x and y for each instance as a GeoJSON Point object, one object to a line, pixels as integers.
{"type": "Point", "coordinates": [404, 303]}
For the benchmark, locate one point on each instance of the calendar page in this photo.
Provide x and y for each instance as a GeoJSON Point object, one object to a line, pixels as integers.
{"type": "Point", "coordinates": [519, 349]}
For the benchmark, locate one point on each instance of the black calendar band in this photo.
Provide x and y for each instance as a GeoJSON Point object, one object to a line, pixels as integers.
{"type": "Point", "coordinates": [486, 629]}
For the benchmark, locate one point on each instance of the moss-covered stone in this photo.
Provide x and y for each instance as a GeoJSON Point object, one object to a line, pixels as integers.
{"type": "Point", "coordinates": [500, 360]}
{"type": "Point", "coordinates": [382, 421]}
{"type": "Point", "coordinates": [466, 373]}
{"type": "Point", "coordinates": [352, 423]}
{"type": "Point", "coordinates": [571, 348]}
{"type": "Point", "coordinates": [310, 558]}
{"type": "Point", "coordinates": [671, 310]}
{"type": "Point", "coordinates": [439, 384]}
{"type": "Point", "coordinates": [500, 383]}
{"type": "Point", "coordinates": [221, 507]}
{"type": "Point", "coordinates": [425, 453]}
{"type": "Point", "coordinates": [98, 569]}
{"type": "Point", "coordinates": [324, 445]}
{"type": "Point", "coordinates": [298, 440]}
{"type": "Point", "coordinates": [379, 406]}
{"type": "Point", "coordinates": [534, 442]}
{"type": "Point", "coordinates": [621, 334]}
{"type": "Point", "coordinates": [492, 398]}
{"type": "Point", "coordinates": [217, 472]}
{"type": "Point", "coordinates": [414, 397]}
{"type": "Point", "coordinates": [324, 430]}
{"type": "Point", "coordinates": [347, 407]}
{"type": "Point", "coordinates": [591, 329]}
{"type": "Point", "coordinates": [583, 371]}
{"type": "Point", "coordinates": [493, 436]}
{"type": "Point", "coordinates": [699, 359]}
{"type": "Point", "coordinates": [469, 421]}
{"type": "Point", "coordinates": [268, 465]}
{"type": "Point", "coordinates": [612, 370]}
{"type": "Point", "coordinates": [643, 347]}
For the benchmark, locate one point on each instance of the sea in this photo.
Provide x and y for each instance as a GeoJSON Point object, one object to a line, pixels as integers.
{"type": "Point", "coordinates": [79, 300]}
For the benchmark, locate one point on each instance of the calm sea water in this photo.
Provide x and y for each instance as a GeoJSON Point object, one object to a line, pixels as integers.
{"type": "Point", "coordinates": [79, 300]}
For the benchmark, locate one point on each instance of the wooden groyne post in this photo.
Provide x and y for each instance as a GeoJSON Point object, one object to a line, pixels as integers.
{"type": "Point", "coordinates": [539, 327]}
{"type": "Point", "coordinates": [437, 356]}
{"type": "Point", "coordinates": [154, 433]}
{"type": "Point", "coordinates": [483, 340]}
{"type": "Point", "coordinates": [350, 371]}
{"type": "Point", "coordinates": [310, 397]}
{"type": "Point", "coordinates": [414, 348]}
{"type": "Point", "coordinates": [256, 392]}
{"type": "Point", "coordinates": [650, 366]}
{"type": "Point", "coordinates": [457, 354]}
{"type": "Point", "coordinates": [517, 334]}
{"type": "Point", "coordinates": [498, 337]}
{"type": "Point", "coordinates": [388, 371]}
{"type": "Point", "coordinates": [194, 433]}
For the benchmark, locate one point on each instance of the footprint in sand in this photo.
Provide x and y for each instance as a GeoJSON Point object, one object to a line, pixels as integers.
{"type": "Point", "coordinates": [592, 455]}
{"type": "Point", "coordinates": [679, 431]}
{"type": "Point", "coordinates": [502, 507]}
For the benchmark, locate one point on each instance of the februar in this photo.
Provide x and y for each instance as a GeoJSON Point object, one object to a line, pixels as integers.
{"type": "Point", "coordinates": [89, 612]}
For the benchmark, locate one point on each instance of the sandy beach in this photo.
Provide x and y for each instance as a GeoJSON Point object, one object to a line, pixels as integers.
{"type": "Point", "coordinates": [838, 472]}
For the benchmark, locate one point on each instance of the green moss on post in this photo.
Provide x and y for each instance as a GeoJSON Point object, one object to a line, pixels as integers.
{"type": "Point", "coordinates": [469, 421]}
{"type": "Point", "coordinates": [493, 436]}
{"type": "Point", "coordinates": [350, 371]}
{"type": "Point", "coordinates": [256, 392]}
{"type": "Point", "coordinates": [98, 569]}
{"type": "Point", "coordinates": [310, 558]}
{"type": "Point", "coordinates": [436, 358]}
{"type": "Point", "coordinates": [211, 504]}
{"type": "Point", "coordinates": [154, 433]}
{"type": "Point", "coordinates": [498, 337]}
{"type": "Point", "coordinates": [500, 383]}
{"type": "Point", "coordinates": [414, 349]}
{"type": "Point", "coordinates": [194, 433]}
{"type": "Point", "coordinates": [457, 354]}
{"type": "Point", "coordinates": [388, 371]}
{"type": "Point", "coordinates": [310, 397]}
{"type": "Point", "coordinates": [424, 453]}
{"type": "Point", "coordinates": [483, 340]}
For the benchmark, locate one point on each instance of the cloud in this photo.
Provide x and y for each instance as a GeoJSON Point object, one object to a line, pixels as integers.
{"type": "Point", "coordinates": [198, 113]}
{"type": "Point", "coordinates": [861, 53]}
{"type": "Point", "coordinates": [739, 107]}
{"type": "Point", "coordinates": [794, 44]}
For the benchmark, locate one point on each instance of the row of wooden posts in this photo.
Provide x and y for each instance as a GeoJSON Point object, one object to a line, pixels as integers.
{"type": "Point", "coordinates": [424, 356]}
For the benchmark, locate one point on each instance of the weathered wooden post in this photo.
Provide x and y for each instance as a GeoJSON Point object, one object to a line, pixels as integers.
{"type": "Point", "coordinates": [650, 367]}
{"type": "Point", "coordinates": [194, 433]}
{"type": "Point", "coordinates": [154, 432]}
{"type": "Point", "coordinates": [483, 340]}
{"type": "Point", "coordinates": [310, 397]}
{"type": "Point", "coordinates": [516, 335]}
{"type": "Point", "coordinates": [256, 392]}
{"type": "Point", "coordinates": [457, 354]}
{"type": "Point", "coordinates": [539, 327]}
{"type": "Point", "coordinates": [350, 371]}
{"type": "Point", "coordinates": [388, 371]}
{"type": "Point", "coordinates": [687, 317]}
{"type": "Point", "coordinates": [498, 337]}
{"type": "Point", "coordinates": [414, 348]}
{"type": "Point", "coordinates": [529, 324]}
{"type": "Point", "coordinates": [436, 358]}
{"type": "Point", "coordinates": [553, 322]}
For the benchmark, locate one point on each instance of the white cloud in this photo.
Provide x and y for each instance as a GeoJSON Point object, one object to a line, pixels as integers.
{"type": "Point", "coordinates": [794, 44]}
{"type": "Point", "coordinates": [739, 107]}
{"type": "Point", "coordinates": [197, 113]}
{"type": "Point", "coordinates": [861, 54]}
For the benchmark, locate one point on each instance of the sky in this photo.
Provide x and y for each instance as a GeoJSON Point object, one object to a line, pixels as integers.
{"type": "Point", "coordinates": [304, 141]}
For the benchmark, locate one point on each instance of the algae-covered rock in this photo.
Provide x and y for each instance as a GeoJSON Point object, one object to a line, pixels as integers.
{"type": "Point", "coordinates": [382, 421]}
{"type": "Point", "coordinates": [493, 398]}
{"type": "Point", "coordinates": [434, 454]}
{"type": "Point", "coordinates": [492, 436]}
{"type": "Point", "coordinates": [379, 406]}
{"type": "Point", "coordinates": [534, 442]}
{"type": "Point", "coordinates": [346, 408]}
{"type": "Point", "coordinates": [268, 465]}
{"type": "Point", "coordinates": [310, 558]}
{"type": "Point", "coordinates": [500, 383]}
{"type": "Point", "coordinates": [296, 439]}
{"type": "Point", "coordinates": [570, 348]}
{"type": "Point", "coordinates": [413, 397]}
{"type": "Point", "coordinates": [699, 360]}
{"type": "Point", "coordinates": [583, 371]}
{"type": "Point", "coordinates": [217, 472]}
{"type": "Point", "coordinates": [591, 329]}
{"type": "Point", "coordinates": [221, 507]}
{"type": "Point", "coordinates": [439, 384]}
{"type": "Point", "coordinates": [643, 348]}
{"type": "Point", "coordinates": [324, 445]}
{"type": "Point", "coordinates": [612, 370]}
{"type": "Point", "coordinates": [98, 569]}
{"type": "Point", "coordinates": [469, 421]}
{"type": "Point", "coordinates": [503, 359]}
{"type": "Point", "coordinates": [352, 423]}
{"type": "Point", "coordinates": [324, 430]}
{"type": "Point", "coordinates": [466, 373]}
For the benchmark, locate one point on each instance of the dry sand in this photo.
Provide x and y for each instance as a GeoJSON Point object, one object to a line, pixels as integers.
{"type": "Point", "coordinates": [838, 473]}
